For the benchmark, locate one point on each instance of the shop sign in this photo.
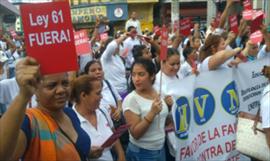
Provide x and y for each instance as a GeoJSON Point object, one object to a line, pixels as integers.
{"type": "Point", "coordinates": [87, 14]}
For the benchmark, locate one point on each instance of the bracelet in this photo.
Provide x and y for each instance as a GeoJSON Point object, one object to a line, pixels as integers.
{"type": "Point", "coordinates": [147, 120]}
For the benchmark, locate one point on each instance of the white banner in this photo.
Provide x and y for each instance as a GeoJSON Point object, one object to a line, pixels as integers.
{"type": "Point", "coordinates": [206, 108]}
{"type": "Point", "coordinates": [250, 84]}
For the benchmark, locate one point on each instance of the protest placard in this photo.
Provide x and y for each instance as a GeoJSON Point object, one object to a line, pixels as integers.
{"type": "Point", "coordinates": [49, 36]}
{"type": "Point", "coordinates": [233, 24]}
{"type": "Point", "coordinates": [247, 5]}
{"type": "Point", "coordinates": [82, 42]}
{"type": "Point", "coordinates": [116, 135]}
{"type": "Point", "coordinates": [164, 43]}
{"type": "Point", "coordinates": [185, 26]}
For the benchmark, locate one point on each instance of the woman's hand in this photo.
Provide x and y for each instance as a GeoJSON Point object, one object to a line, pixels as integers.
{"type": "Point", "coordinates": [116, 113]}
{"type": "Point", "coordinates": [27, 76]}
{"type": "Point", "coordinates": [156, 105]}
{"type": "Point", "coordinates": [96, 152]}
{"type": "Point", "coordinates": [169, 101]}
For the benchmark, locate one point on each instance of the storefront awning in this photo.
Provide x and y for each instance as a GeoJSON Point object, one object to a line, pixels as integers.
{"type": "Point", "coordinates": [5, 5]}
{"type": "Point", "coordinates": [139, 1]}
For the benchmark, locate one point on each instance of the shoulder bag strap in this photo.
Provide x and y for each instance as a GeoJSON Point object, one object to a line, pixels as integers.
{"type": "Point", "coordinates": [110, 87]}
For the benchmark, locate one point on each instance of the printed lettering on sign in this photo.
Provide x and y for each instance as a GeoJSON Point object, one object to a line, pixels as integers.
{"type": "Point", "coordinates": [182, 118]}
{"type": "Point", "coordinates": [49, 36]}
{"type": "Point", "coordinates": [230, 99]}
{"type": "Point", "coordinates": [203, 105]}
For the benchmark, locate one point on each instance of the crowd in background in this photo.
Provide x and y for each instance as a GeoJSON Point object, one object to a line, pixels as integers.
{"type": "Point", "coordinates": [117, 83]}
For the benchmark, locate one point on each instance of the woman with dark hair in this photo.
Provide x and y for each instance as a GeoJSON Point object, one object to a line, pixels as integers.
{"type": "Point", "coordinates": [189, 67]}
{"type": "Point", "coordinates": [141, 51]}
{"type": "Point", "coordinates": [112, 62]}
{"type": "Point", "coordinates": [111, 101]}
{"type": "Point", "coordinates": [146, 113]}
{"type": "Point", "coordinates": [48, 132]}
{"type": "Point", "coordinates": [169, 74]}
{"type": "Point", "coordinates": [213, 54]}
{"type": "Point", "coordinates": [86, 93]}
{"type": "Point", "coordinates": [169, 70]}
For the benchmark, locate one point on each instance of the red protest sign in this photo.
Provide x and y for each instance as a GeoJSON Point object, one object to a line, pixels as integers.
{"type": "Point", "coordinates": [256, 37]}
{"type": "Point", "coordinates": [248, 14]}
{"type": "Point", "coordinates": [247, 5]}
{"type": "Point", "coordinates": [233, 24]}
{"type": "Point", "coordinates": [157, 30]}
{"type": "Point", "coordinates": [185, 26]}
{"type": "Point", "coordinates": [116, 135]}
{"type": "Point", "coordinates": [49, 36]}
{"type": "Point", "coordinates": [164, 43]}
{"type": "Point", "coordinates": [82, 42]}
{"type": "Point", "coordinates": [217, 19]}
{"type": "Point", "coordinates": [256, 23]}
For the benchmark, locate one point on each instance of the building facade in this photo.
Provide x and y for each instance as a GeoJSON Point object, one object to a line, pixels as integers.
{"type": "Point", "coordinates": [8, 15]}
{"type": "Point", "coordinates": [83, 12]}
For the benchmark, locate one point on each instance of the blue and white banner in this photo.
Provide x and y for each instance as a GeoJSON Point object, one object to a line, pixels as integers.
{"type": "Point", "coordinates": [206, 108]}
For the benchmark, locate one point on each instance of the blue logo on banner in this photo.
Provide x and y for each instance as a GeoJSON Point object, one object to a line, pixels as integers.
{"type": "Point", "coordinates": [182, 118]}
{"type": "Point", "coordinates": [204, 105]}
{"type": "Point", "coordinates": [230, 99]}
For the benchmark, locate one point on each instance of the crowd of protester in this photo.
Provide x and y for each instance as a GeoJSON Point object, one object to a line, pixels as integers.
{"type": "Point", "coordinates": [68, 115]}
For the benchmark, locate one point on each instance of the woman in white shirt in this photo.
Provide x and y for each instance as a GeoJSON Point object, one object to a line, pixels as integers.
{"type": "Point", "coordinates": [115, 67]}
{"type": "Point", "coordinates": [111, 100]}
{"type": "Point", "coordinates": [169, 70]}
{"type": "Point", "coordinates": [146, 114]}
{"type": "Point", "coordinates": [86, 93]}
{"type": "Point", "coordinates": [213, 54]}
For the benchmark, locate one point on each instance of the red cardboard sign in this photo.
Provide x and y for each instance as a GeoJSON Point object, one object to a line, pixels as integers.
{"type": "Point", "coordinates": [233, 24]}
{"type": "Point", "coordinates": [217, 19]}
{"type": "Point", "coordinates": [82, 42]}
{"type": "Point", "coordinates": [164, 43]}
{"type": "Point", "coordinates": [248, 14]}
{"type": "Point", "coordinates": [247, 5]}
{"type": "Point", "coordinates": [258, 13]}
{"type": "Point", "coordinates": [49, 36]}
{"type": "Point", "coordinates": [256, 37]}
{"type": "Point", "coordinates": [256, 23]}
{"type": "Point", "coordinates": [116, 135]}
{"type": "Point", "coordinates": [185, 26]}
{"type": "Point", "coordinates": [157, 30]}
